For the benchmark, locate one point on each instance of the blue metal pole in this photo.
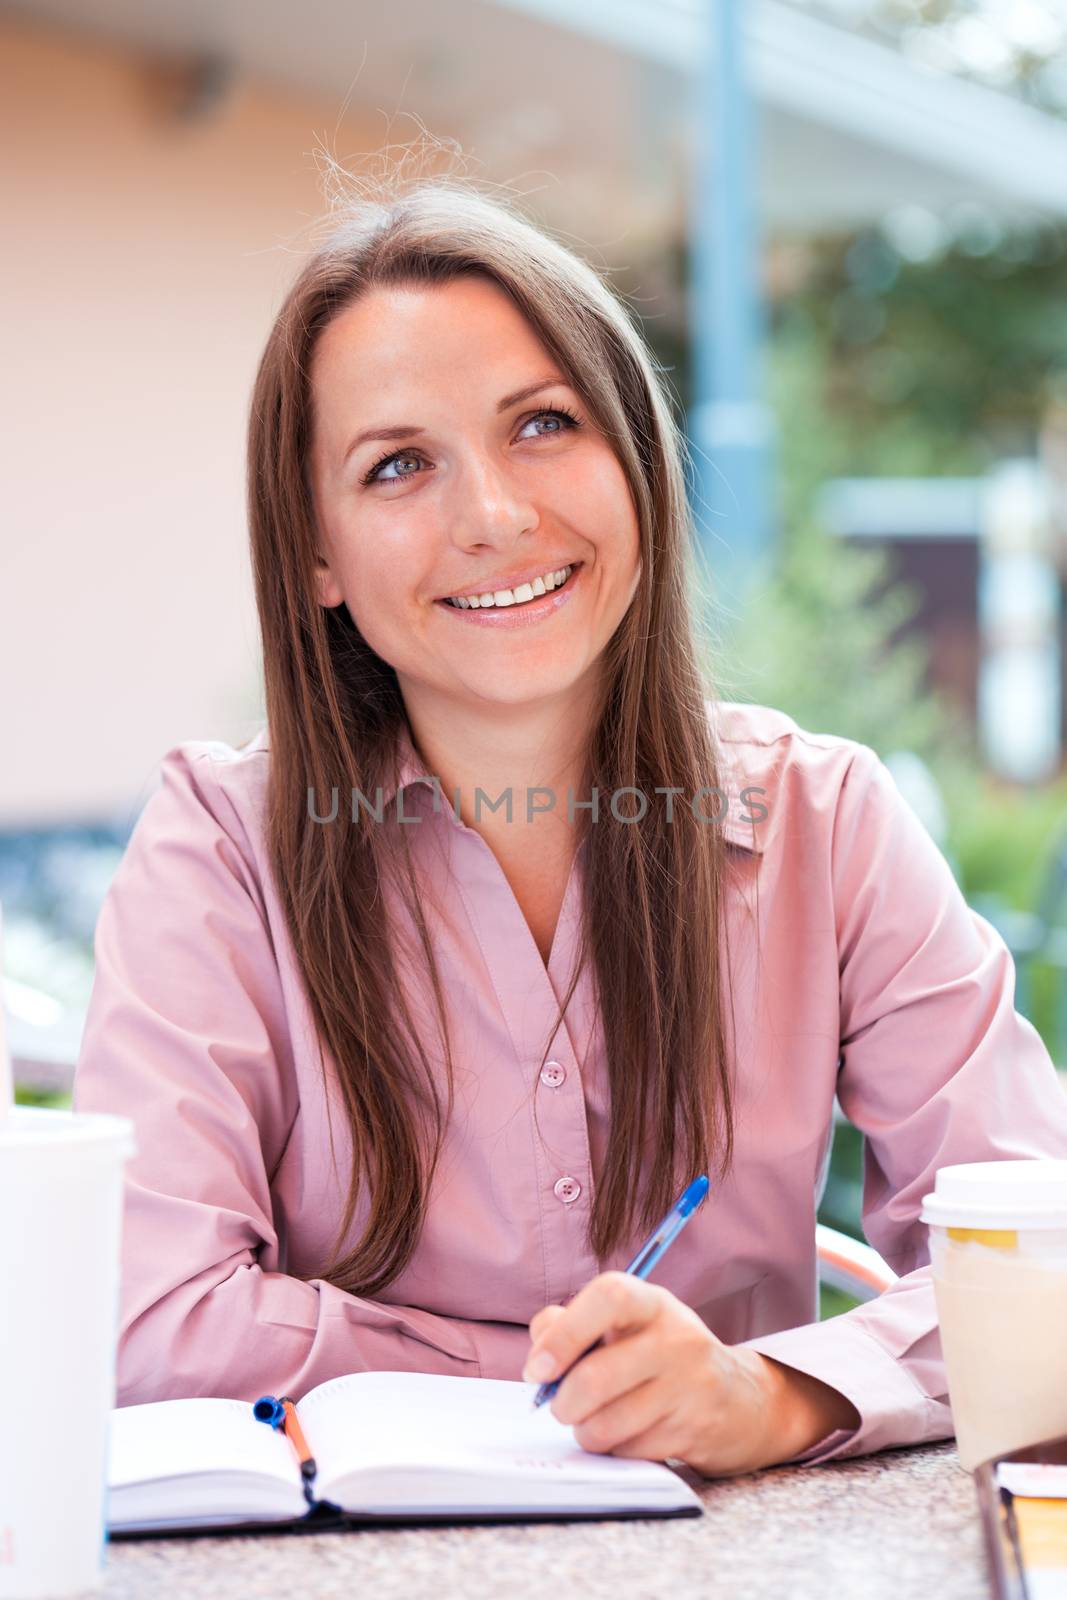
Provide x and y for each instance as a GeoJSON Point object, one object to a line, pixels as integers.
{"type": "Point", "coordinates": [730, 427]}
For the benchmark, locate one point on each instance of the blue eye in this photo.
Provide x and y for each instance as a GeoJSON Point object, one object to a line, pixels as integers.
{"type": "Point", "coordinates": [568, 419]}
{"type": "Point", "coordinates": [387, 461]}
{"type": "Point", "coordinates": [561, 412]}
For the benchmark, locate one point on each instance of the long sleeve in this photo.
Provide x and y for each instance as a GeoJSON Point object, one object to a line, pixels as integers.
{"type": "Point", "coordinates": [187, 1034]}
{"type": "Point", "coordinates": [936, 1067]}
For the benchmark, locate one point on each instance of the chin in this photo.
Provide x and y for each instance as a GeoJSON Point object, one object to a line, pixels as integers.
{"type": "Point", "coordinates": [525, 687]}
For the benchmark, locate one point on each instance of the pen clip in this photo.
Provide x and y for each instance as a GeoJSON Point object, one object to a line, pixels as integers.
{"type": "Point", "coordinates": [669, 1229]}
{"type": "Point", "coordinates": [651, 1251]}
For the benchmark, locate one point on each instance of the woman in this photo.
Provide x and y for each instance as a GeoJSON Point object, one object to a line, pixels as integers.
{"type": "Point", "coordinates": [428, 1002]}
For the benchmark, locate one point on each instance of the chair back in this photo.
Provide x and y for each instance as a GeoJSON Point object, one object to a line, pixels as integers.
{"type": "Point", "coordinates": [851, 1266]}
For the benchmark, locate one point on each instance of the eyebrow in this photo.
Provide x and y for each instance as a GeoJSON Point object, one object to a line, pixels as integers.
{"type": "Point", "coordinates": [403, 430]}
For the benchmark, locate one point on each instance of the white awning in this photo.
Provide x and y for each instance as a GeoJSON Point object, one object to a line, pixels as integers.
{"type": "Point", "coordinates": [588, 104]}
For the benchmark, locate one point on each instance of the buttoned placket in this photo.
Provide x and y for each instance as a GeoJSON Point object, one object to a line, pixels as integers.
{"type": "Point", "coordinates": [528, 993]}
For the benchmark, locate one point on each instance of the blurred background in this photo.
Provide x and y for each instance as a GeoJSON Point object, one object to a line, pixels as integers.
{"type": "Point", "coordinates": [843, 225]}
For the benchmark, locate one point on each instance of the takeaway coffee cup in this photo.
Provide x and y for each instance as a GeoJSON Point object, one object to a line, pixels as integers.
{"type": "Point", "coordinates": [998, 1250]}
{"type": "Point", "coordinates": [60, 1221]}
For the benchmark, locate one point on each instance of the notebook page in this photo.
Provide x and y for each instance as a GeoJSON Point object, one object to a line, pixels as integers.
{"type": "Point", "coordinates": [164, 1439]}
{"type": "Point", "coordinates": [482, 1428]}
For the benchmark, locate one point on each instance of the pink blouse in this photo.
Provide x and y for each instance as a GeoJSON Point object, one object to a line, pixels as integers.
{"type": "Point", "coordinates": [873, 980]}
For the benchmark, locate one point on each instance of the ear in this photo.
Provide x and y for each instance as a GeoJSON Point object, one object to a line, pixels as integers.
{"type": "Point", "coordinates": [329, 591]}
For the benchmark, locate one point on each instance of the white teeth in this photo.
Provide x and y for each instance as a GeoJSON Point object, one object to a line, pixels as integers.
{"type": "Point", "coordinates": [519, 596]}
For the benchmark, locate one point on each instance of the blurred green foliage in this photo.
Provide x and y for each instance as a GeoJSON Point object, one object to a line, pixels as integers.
{"type": "Point", "coordinates": [818, 639]}
{"type": "Point", "coordinates": [935, 366]}
{"type": "Point", "coordinates": [833, 1301]}
{"type": "Point", "coordinates": [1002, 835]}
{"type": "Point", "coordinates": [56, 1099]}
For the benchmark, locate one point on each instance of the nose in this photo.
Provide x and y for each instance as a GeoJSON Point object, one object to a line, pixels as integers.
{"type": "Point", "coordinates": [491, 504]}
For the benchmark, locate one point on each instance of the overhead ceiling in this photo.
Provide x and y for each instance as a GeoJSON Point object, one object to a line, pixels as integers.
{"type": "Point", "coordinates": [589, 108]}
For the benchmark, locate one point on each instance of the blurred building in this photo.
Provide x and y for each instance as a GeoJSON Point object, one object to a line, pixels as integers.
{"type": "Point", "coordinates": [983, 559]}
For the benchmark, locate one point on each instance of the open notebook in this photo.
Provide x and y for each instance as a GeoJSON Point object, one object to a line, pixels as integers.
{"type": "Point", "coordinates": [389, 1446]}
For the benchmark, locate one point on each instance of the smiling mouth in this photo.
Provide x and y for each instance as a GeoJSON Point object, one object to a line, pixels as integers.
{"type": "Point", "coordinates": [473, 602]}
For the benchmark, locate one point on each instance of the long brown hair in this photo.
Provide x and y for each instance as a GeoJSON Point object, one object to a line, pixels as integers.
{"type": "Point", "coordinates": [652, 922]}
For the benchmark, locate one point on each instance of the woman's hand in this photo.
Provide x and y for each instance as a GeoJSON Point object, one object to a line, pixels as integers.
{"type": "Point", "coordinates": [663, 1386]}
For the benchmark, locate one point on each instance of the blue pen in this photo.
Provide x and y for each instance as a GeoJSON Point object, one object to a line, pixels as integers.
{"type": "Point", "coordinates": [650, 1252]}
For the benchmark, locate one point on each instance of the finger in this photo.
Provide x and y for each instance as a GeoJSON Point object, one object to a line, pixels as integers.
{"type": "Point", "coordinates": [611, 1301]}
{"type": "Point", "coordinates": [661, 1439]}
{"type": "Point", "coordinates": [605, 1377]}
{"type": "Point", "coordinates": [544, 1320]}
{"type": "Point", "coordinates": [636, 1415]}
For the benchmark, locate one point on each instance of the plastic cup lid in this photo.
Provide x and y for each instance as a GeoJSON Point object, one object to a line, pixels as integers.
{"type": "Point", "coordinates": [999, 1194]}
{"type": "Point", "coordinates": [47, 1128]}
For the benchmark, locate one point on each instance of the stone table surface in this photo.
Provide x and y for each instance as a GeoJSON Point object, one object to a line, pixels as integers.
{"type": "Point", "coordinates": [899, 1524]}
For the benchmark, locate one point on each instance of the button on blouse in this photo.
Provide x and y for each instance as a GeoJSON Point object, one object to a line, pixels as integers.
{"type": "Point", "coordinates": [567, 1190]}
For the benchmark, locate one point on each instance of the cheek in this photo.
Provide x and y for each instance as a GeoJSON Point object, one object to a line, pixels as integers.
{"type": "Point", "coordinates": [382, 575]}
{"type": "Point", "coordinates": [623, 537]}
{"type": "Point", "coordinates": [615, 514]}
{"type": "Point", "coordinates": [379, 606]}
{"type": "Point", "coordinates": [384, 564]}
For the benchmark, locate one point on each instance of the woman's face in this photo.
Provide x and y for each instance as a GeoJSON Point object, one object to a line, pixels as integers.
{"type": "Point", "coordinates": [432, 478]}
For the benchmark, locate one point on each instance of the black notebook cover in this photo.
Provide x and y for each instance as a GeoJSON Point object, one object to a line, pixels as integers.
{"type": "Point", "coordinates": [327, 1518]}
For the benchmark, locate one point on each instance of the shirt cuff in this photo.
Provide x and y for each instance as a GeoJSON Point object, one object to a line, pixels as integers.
{"type": "Point", "coordinates": [833, 1444]}
{"type": "Point", "coordinates": [893, 1409]}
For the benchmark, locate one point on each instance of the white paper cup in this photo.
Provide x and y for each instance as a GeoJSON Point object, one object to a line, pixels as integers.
{"type": "Point", "coordinates": [998, 1252]}
{"type": "Point", "coordinates": [60, 1226]}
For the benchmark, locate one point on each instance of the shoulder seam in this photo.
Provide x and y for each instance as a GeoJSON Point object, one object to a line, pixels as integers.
{"type": "Point", "coordinates": [208, 755]}
{"type": "Point", "coordinates": [820, 740]}
{"type": "Point", "coordinates": [767, 740]}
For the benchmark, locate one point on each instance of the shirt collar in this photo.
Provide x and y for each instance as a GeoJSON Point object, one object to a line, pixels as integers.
{"type": "Point", "coordinates": [741, 827]}
{"type": "Point", "coordinates": [410, 767]}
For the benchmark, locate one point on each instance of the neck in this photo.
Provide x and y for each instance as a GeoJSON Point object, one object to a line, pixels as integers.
{"type": "Point", "coordinates": [496, 748]}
